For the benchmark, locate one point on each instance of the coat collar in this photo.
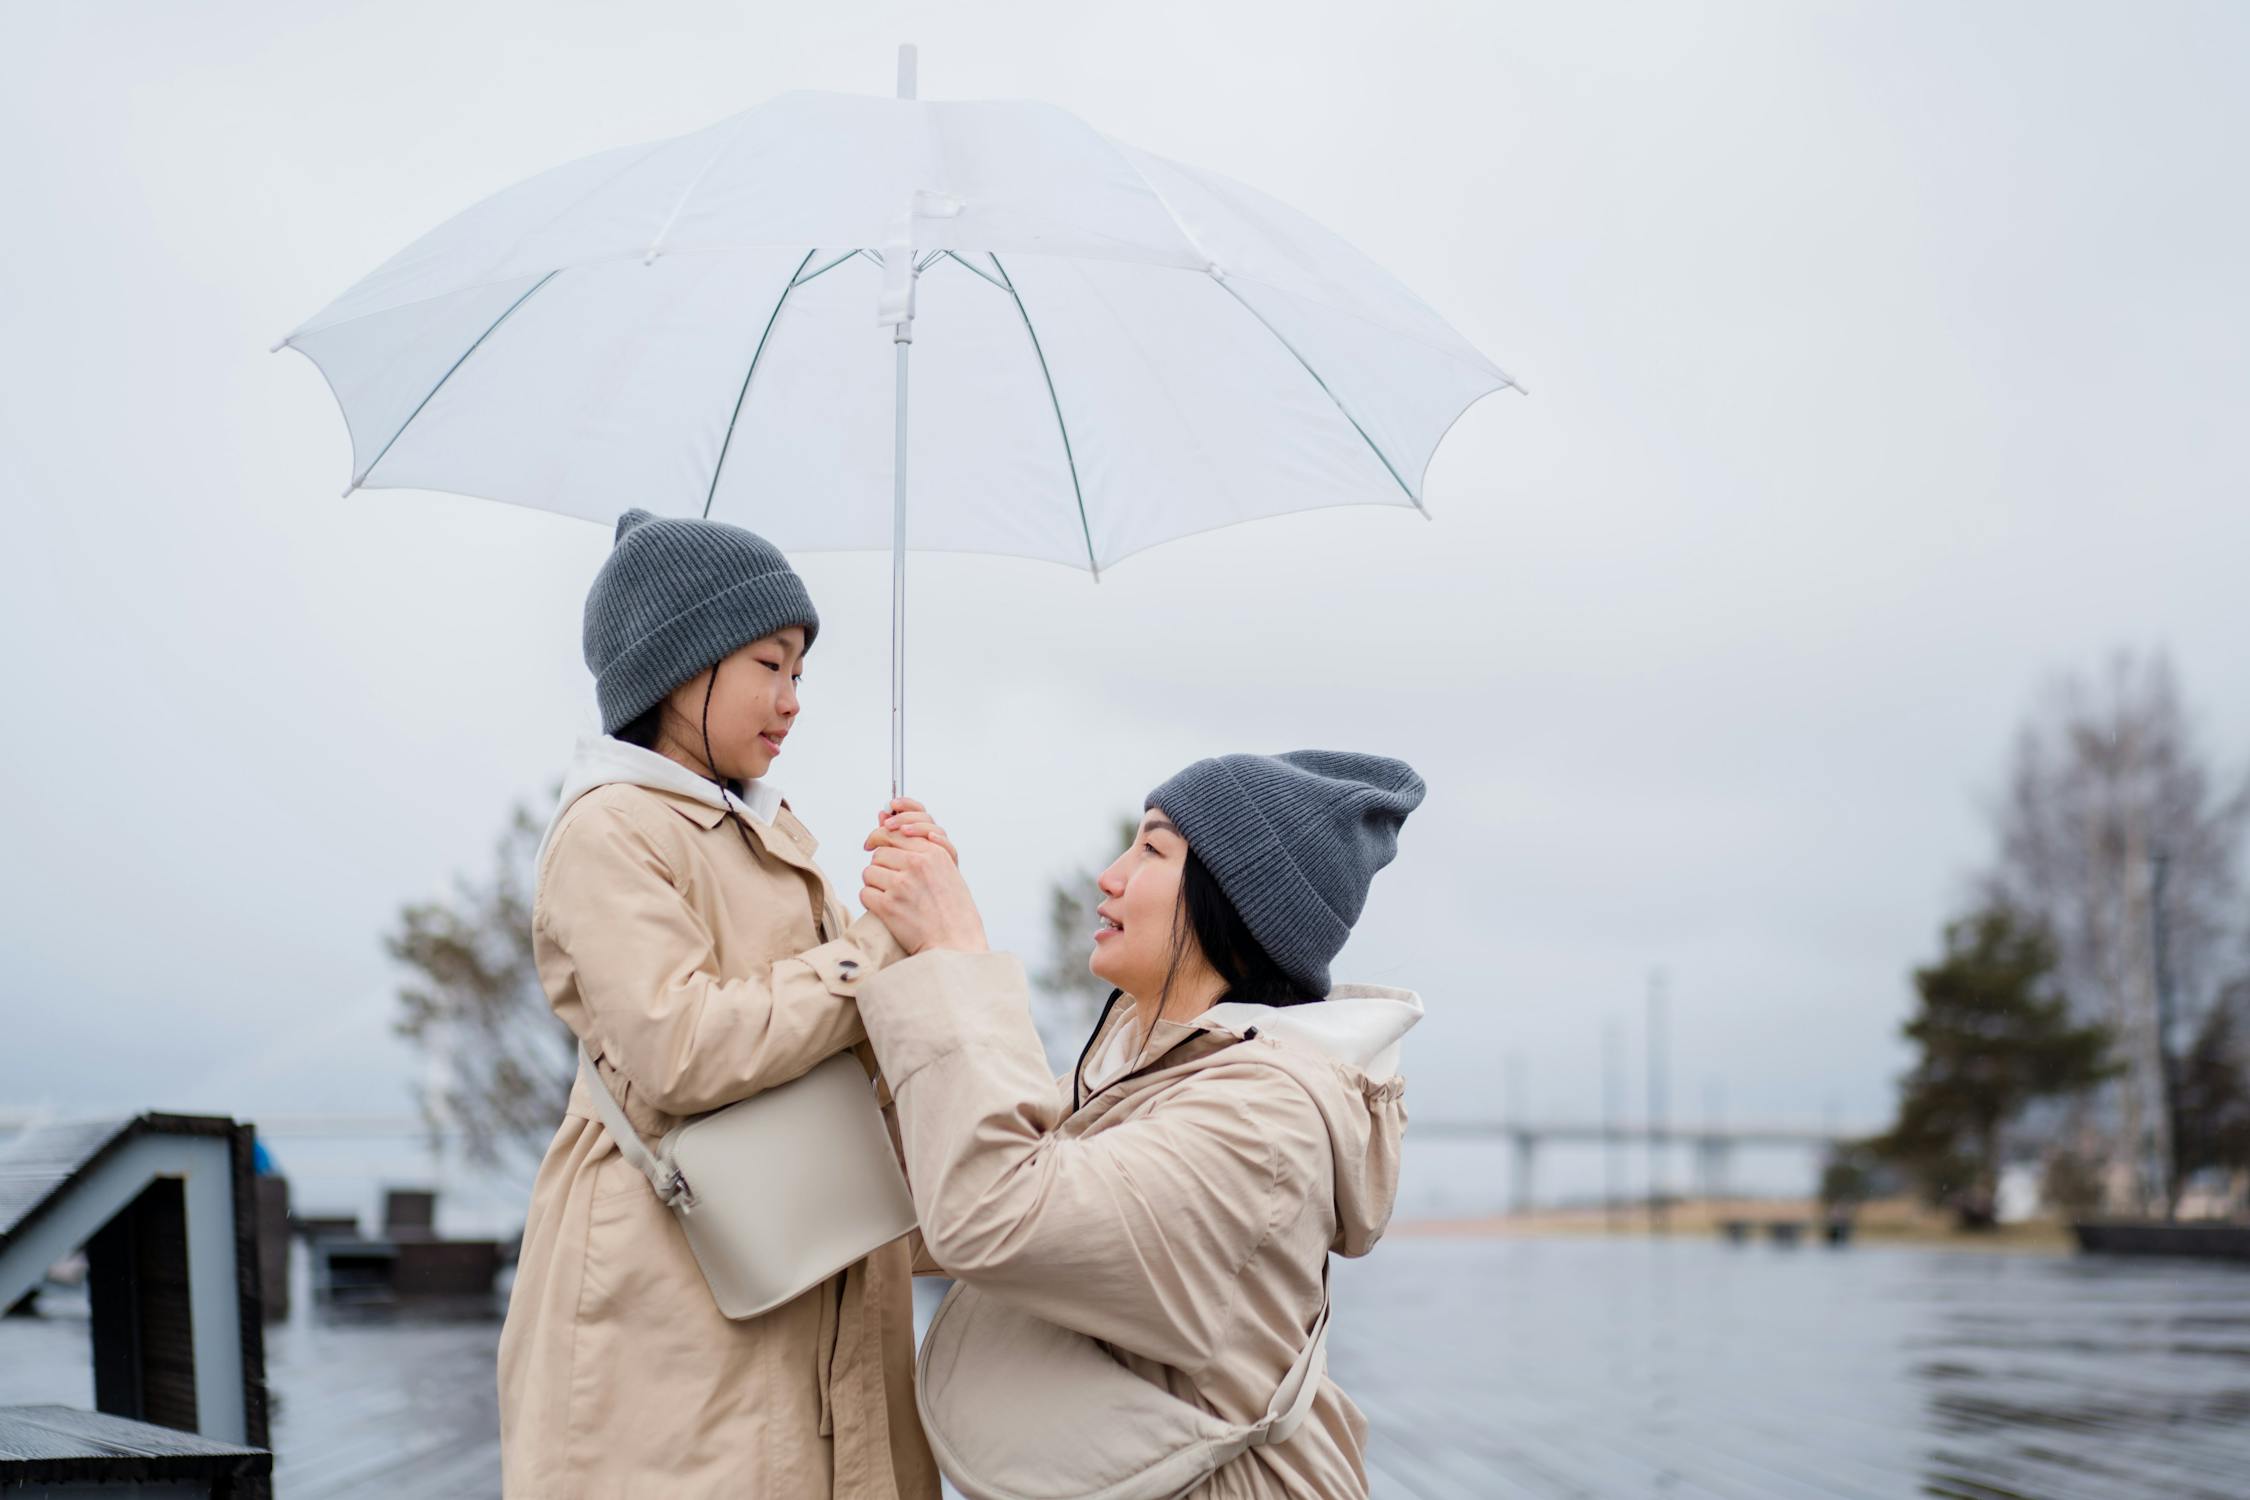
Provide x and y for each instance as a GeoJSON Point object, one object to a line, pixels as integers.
{"type": "Point", "coordinates": [777, 827]}
{"type": "Point", "coordinates": [601, 760]}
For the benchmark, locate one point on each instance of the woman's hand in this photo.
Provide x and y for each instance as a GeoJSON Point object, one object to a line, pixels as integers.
{"type": "Point", "coordinates": [917, 890]}
{"type": "Point", "coordinates": [908, 819]}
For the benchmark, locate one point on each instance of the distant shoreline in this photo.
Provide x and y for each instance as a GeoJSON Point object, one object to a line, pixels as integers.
{"type": "Point", "coordinates": [1889, 1223]}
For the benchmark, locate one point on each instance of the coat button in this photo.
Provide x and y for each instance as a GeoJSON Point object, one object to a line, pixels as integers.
{"type": "Point", "coordinates": [847, 967]}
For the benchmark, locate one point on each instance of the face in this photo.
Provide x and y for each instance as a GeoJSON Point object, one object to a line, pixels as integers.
{"type": "Point", "coordinates": [753, 707]}
{"type": "Point", "coordinates": [1141, 903]}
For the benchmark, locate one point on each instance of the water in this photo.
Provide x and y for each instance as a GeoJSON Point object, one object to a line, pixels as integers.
{"type": "Point", "coordinates": [1555, 1367]}
{"type": "Point", "coordinates": [1538, 1369]}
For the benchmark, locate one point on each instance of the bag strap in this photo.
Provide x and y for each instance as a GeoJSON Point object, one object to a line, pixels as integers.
{"type": "Point", "coordinates": [670, 1186]}
{"type": "Point", "coordinates": [1293, 1401]}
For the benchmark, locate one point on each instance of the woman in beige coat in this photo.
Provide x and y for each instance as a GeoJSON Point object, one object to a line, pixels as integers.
{"type": "Point", "coordinates": [686, 937]}
{"type": "Point", "coordinates": [1227, 1128]}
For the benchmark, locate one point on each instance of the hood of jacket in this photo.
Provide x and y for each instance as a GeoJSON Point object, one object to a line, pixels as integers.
{"type": "Point", "coordinates": [1345, 1050]}
{"type": "Point", "coordinates": [603, 760]}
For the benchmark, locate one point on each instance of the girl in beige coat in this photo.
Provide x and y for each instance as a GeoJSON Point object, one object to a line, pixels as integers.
{"type": "Point", "coordinates": [685, 935]}
{"type": "Point", "coordinates": [1234, 1123]}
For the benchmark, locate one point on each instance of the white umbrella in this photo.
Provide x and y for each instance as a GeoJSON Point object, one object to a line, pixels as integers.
{"type": "Point", "coordinates": [1116, 349]}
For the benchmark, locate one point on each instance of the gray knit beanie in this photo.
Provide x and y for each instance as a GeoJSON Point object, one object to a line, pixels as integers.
{"type": "Point", "coordinates": [677, 596]}
{"type": "Point", "coordinates": [1294, 841]}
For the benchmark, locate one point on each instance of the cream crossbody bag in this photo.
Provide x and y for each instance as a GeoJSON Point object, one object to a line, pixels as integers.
{"type": "Point", "coordinates": [777, 1192]}
{"type": "Point", "coordinates": [1018, 1408]}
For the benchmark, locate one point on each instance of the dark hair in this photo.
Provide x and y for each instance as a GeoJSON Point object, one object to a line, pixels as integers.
{"type": "Point", "coordinates": [645, 730]}
{"type": "Point", "coordinates": [1229, 947]}
{"type": "Point", "coordinates": [642, 731]}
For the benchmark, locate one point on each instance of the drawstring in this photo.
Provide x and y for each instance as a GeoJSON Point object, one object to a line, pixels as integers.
{"type": "Point", "coordinates": [1078, 1074]}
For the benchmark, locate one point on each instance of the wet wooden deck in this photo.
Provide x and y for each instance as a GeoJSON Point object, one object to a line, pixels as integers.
{"type": "Point", "coordinates": [1540, 1370]}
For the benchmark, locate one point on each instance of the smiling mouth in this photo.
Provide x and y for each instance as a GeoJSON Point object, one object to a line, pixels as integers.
{"type": "Point", "coordinates": [772, 742]}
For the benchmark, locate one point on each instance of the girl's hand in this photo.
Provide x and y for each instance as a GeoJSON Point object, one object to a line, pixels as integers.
{"type": "Point", "coordinates": [908, 819]}
{"type": "Point", "coordinates": [917, 890]}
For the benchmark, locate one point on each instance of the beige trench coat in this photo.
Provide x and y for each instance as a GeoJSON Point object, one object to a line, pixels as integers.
{"type": "Point", "coordinates": [1184, 1215]}
{"type": "Point", "coordinates": [695, 972]}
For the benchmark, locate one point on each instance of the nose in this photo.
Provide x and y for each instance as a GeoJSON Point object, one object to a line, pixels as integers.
{"type": "Point", "coordinates": [786, 704]}
{"type": "Point", "coordinates": [1112, 880]}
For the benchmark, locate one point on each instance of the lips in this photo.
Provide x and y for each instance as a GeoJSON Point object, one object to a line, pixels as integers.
{"type": "Point", "coordinates": [773, 741]}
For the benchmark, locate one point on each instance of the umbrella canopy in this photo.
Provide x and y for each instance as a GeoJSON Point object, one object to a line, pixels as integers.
{"type": "Point", "coordinates": [1113, 349]}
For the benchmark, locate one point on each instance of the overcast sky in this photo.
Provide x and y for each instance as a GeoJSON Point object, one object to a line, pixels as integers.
{"type": "Point", "coordinates": [1884, 361]}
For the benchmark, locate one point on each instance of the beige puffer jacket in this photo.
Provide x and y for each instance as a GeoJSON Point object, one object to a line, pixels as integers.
{"type": "Point", "coordinates": [1184, 1214]}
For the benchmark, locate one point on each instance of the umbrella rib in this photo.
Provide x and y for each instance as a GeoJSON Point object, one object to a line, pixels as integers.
{"type": "Point", "coordinates": [656, 246]}
{"type": "Point", "coordinates": [1008, 285]}
{"type": "Point", "coordinates": [448, 375]}
{"type": "Point", "coordinates": [972, 270]}
{"type": "Point", "coordinates": [801, 278]}
{"type": "Point", "coordinates": [756, 355]}
{"type": "Point", "coordinates": [1372, 446]}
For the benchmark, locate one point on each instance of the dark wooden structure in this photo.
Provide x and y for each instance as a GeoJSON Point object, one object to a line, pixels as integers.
{"type": "Point", "coordinates": [165, 1208]}
{"type": "Point", "coordinates": [273, 1244]}
{"type": "Point", "coordinates": [407, 1263]}
{"type": "Point", "coordinates": [2204, 1241]}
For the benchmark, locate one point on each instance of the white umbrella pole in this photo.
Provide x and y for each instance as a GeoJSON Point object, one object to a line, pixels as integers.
{"type": "Point", "coordinates": [898, 579]}
{"type": "Point", "coordinates": [900, 276]}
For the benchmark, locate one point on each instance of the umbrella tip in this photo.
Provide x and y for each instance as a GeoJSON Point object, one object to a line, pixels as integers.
{"type": "Point", "coordinates": [278, 347]}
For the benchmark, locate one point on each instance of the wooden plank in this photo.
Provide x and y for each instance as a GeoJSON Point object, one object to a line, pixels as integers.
{"type": "Point", "coordinates": [61, 1445]}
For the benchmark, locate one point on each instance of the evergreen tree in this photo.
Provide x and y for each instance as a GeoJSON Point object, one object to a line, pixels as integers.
{"type": "Point", "coordinates": [2212, 1103]}
{"type": "Point", "coordinates": [1995, 1035]}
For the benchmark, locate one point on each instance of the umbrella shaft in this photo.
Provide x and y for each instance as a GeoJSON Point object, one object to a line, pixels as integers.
{"type": "Point", "coordinates": [898, 586]}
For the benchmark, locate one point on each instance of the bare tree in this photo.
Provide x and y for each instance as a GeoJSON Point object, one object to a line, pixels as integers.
{"type": "Point", "coordinates": [2108, 779]}
{"type": "Point", "coordinates": [500, 1061]}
